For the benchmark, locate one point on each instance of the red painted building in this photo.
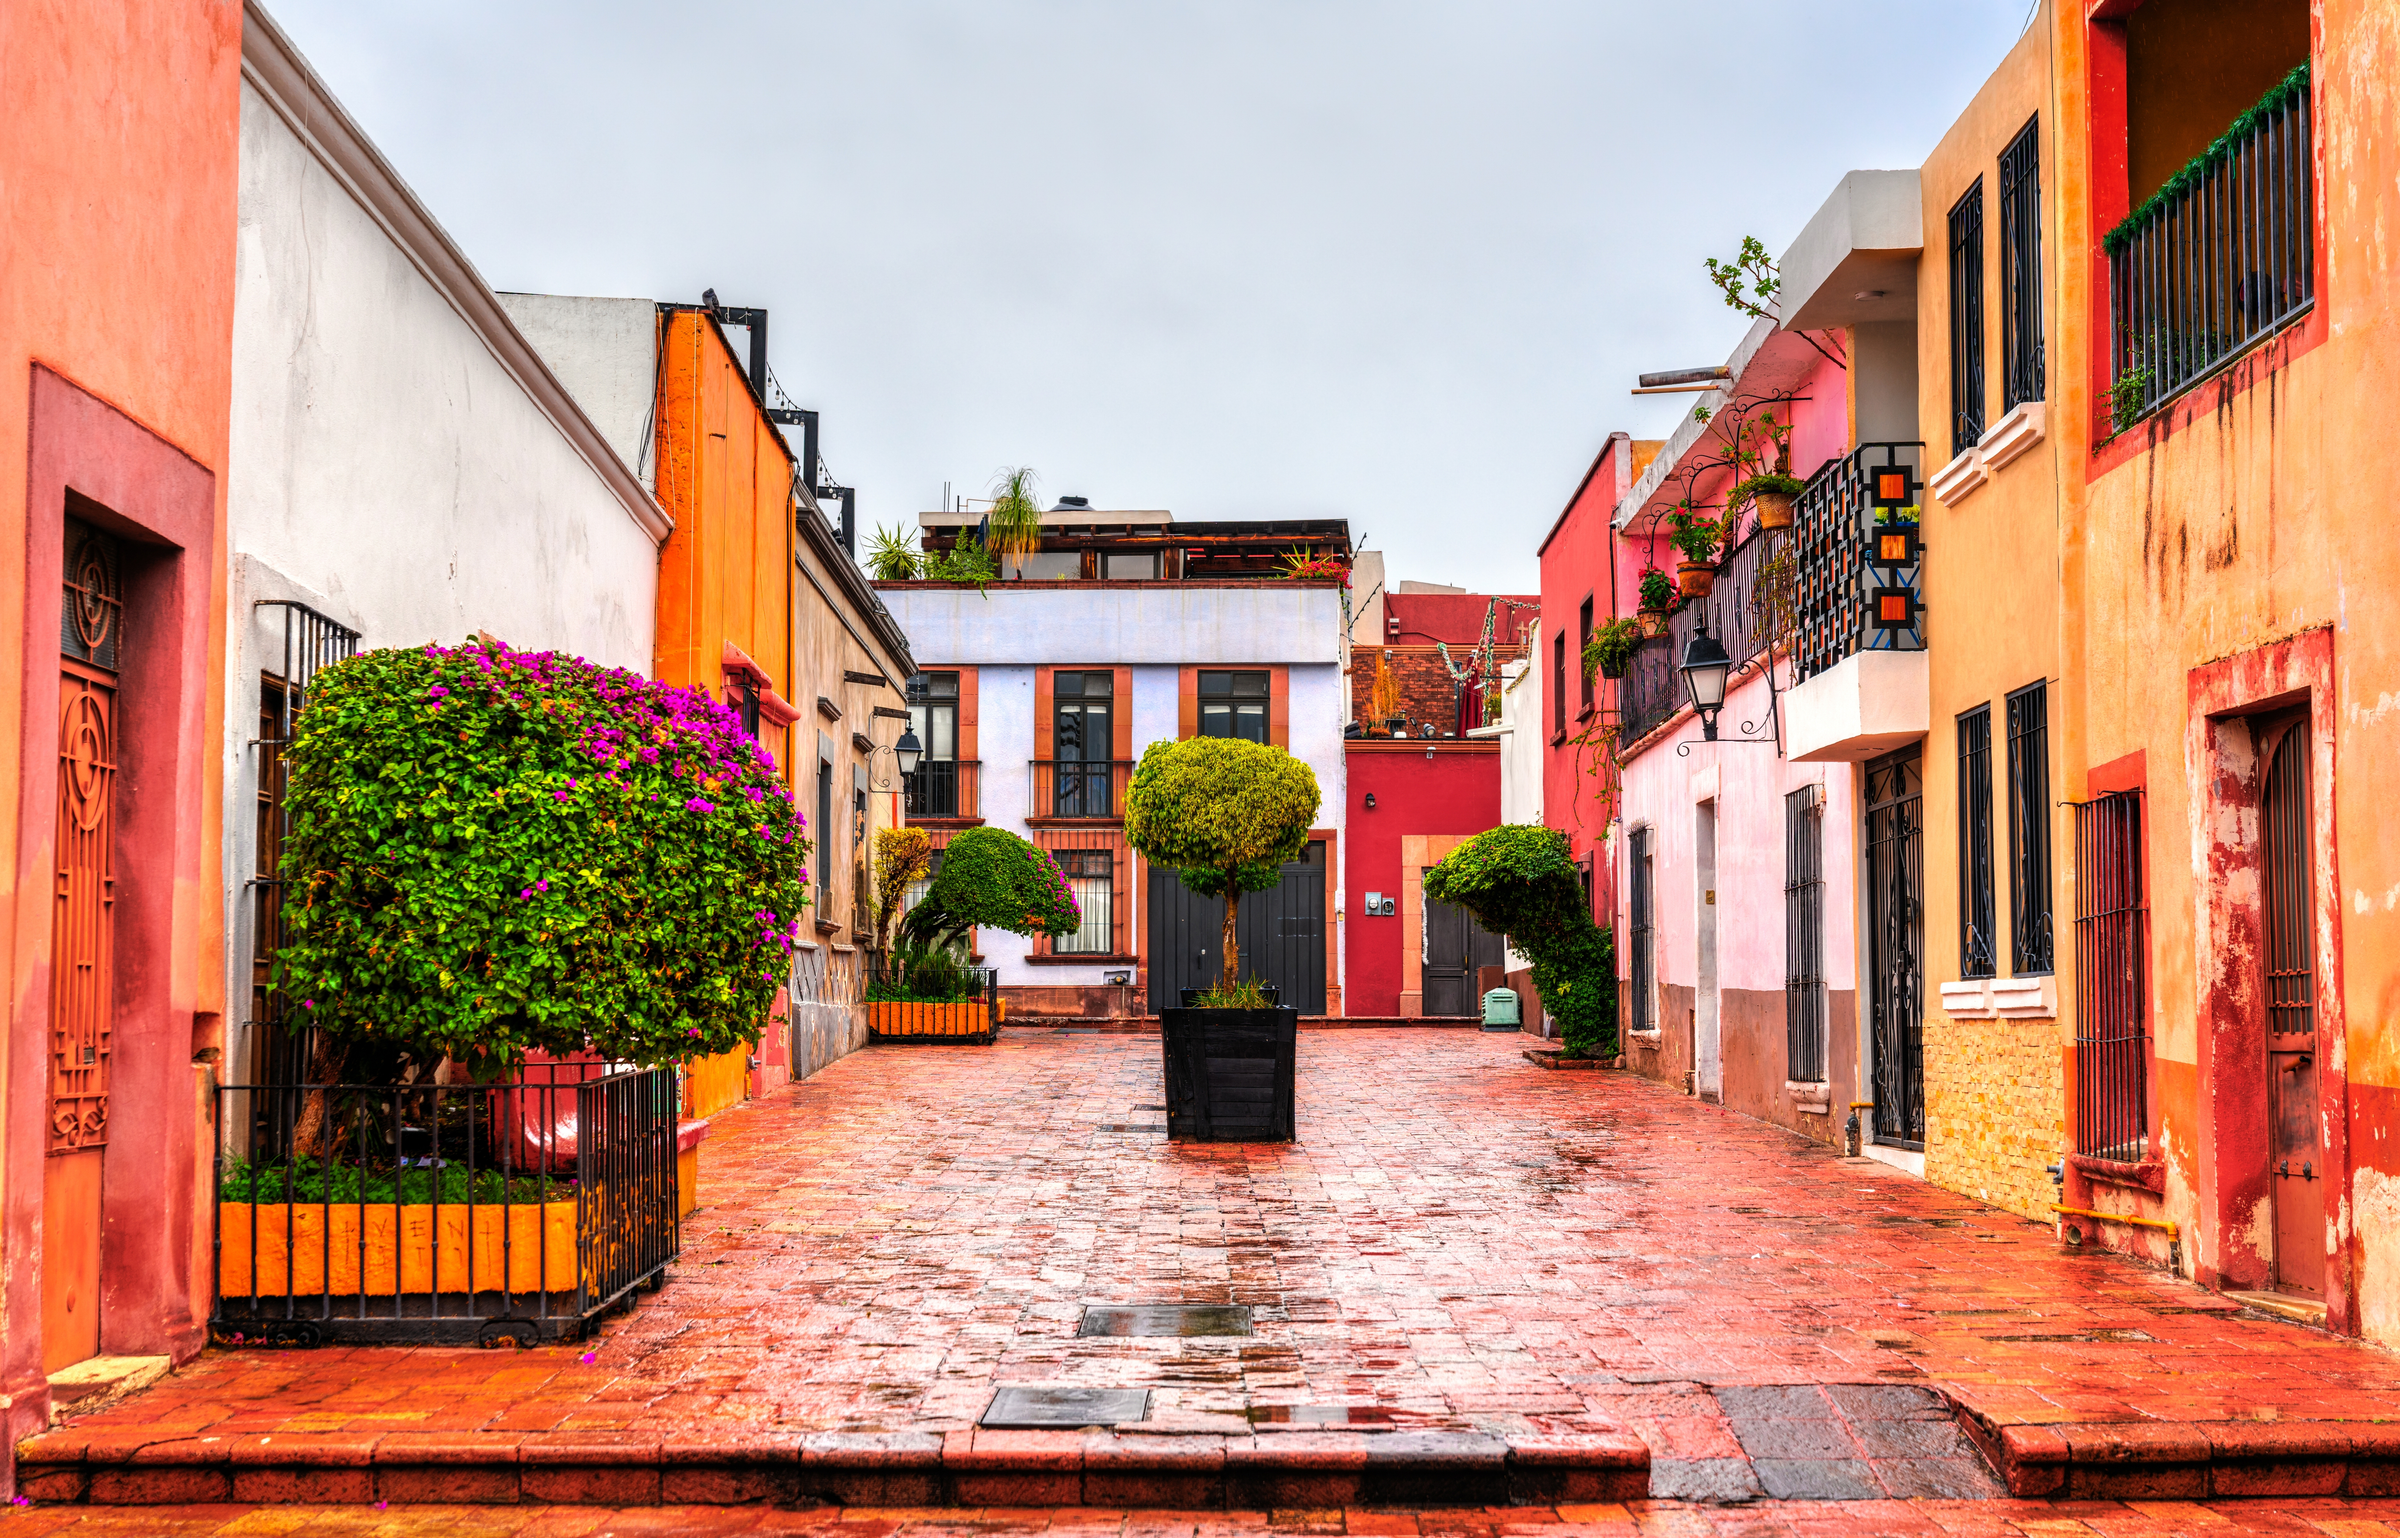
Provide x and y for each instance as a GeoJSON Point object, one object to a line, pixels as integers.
{"type": "Point", "coordinates": [117, 190]}
{"type": "Point", "coordinates": [1415, 797]}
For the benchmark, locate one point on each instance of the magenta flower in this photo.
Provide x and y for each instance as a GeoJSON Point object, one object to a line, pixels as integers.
{"type": "Point", "coordinates": [696, 804]}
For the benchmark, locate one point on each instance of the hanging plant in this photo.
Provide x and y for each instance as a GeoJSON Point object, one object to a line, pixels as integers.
{"type": "Point", "coordinates": [1611, 648]}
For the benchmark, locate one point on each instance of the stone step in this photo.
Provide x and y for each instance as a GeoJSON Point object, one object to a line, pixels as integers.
{"type": "Point", "coordinates": [128, 1467]}
{"type": "Point", "coordinates": [2193, 1460]}
{"type": "Point", "coordinates": [98, 1382]}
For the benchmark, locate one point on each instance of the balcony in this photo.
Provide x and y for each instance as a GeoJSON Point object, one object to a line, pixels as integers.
{"type": "Point", "coordinates": [1860, 685]}
{"type": "Point", "coordinates": [1652, 689]}
{"type": "Point", "coordinates": [945, 790]}
{"type": "Point", "coordinates": [2219, 258]}
{"type": "Point", "coordinates": [1064, 791]}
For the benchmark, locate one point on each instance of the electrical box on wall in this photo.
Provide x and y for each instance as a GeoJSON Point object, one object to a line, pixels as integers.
{"type": "Point", "coordinates": [1380, 906]}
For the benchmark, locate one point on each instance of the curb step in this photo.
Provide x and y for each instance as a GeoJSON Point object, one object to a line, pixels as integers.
{"type": "Point", "coordinates": [105, 1466]}
{"type": "Point", "coordinates": [2192, 1460]}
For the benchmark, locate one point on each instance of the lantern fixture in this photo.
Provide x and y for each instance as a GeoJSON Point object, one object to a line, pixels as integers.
{"type": "Point", "coordinates": [1705, 668]}
{"type": "Point", "coordinates": [908, 750]}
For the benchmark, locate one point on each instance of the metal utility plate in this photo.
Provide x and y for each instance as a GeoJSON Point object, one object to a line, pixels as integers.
{"type": "Point", "coordinates": [1317, 1416]}
{"type": "Point", "coordinates": [1040, 1408]}
{"type": "Point", "coordinates": [1133, 1126]}
{"type": "Point", "coordinates": [1165, 1319]}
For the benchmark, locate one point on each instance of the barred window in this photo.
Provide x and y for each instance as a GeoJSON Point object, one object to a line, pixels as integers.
{"type": "Point", "coordinates": [1640, 900]}
{"type": "Point", "coordinates": [2112, 981]}
{"type": "Point", "coordinates": [2029, 829]}
{"type": "Point", "coordinates": [1978, 955]}
{"type": "Point", "coordinates": [1091, 876]}
{"type": "Point", "coordinates": [1966, 320]}
{"type": "Point", "coordinates": [1804, 935]}
{"type": "Point", "coordinates": [2021, 268]}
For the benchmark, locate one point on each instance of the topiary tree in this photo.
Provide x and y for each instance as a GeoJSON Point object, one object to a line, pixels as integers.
{"type": "Point", "coordinates": [1226, 814]}
{"type": "Point", "coordinates": [493, 852]}
{"type": "Point", "coordinates": [1520, 881]}
{"type": "Point", "coordinates": [992, 879]}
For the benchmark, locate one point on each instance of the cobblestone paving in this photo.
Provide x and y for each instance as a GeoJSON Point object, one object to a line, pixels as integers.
{"type": "Point", "coordinates": [1458, 1241]}
{"type": "Point", "coordinates": [1637, 1519]}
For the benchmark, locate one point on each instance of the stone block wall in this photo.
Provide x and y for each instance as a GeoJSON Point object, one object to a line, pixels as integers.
{"type": "Point", "coordinates": [1995, 1110]}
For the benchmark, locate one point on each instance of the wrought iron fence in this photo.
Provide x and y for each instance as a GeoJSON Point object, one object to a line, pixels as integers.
{"type": "Point", "coordinates": [1091, 792]}
{"type": "Point", "coordinates": [1844, 600]}
{"type": "Point", "coordinates": [2224, 255]}
{"type": "Point", "coordinates": [946, 787]}
{"type": "Point", "coordinates": [426, 1213]}
{"type": "Point", "coordinates": [2112, 981]}
{"type": "Point", "coordinates": [1652, 690]}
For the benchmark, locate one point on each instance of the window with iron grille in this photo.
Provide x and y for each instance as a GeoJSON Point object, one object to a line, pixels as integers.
{"type": "Point", "coordinates": [1804, 935]}
{"type": "Point", "coordinates": [1638, 921]}
{"type": "Point", "coordinates": [1966, 320]}
{"type": "Point", "coordinates": [1091, 875]}
{"type": "Point", "coordinates": [1558, 684]}
{"type": "Point", "coordinates": [2112, 981]}
{"type": "Point", "coordinates": [824, 840]}
{"type": "Point", "coordinates": [1234, 705]}
{"type": "Point", "coordinates": [1583, 648]}
{"type": "Point", "coordinates": [933, 717]}
{"type": "Point", "coordinates": [1978, 953]}
{"type": "Point", "coordinates": [2029, 830]}
{"type": "Point", "coordinates": [2021, 268]}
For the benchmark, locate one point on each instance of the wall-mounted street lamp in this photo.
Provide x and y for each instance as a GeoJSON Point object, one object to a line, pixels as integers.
{"type": "Point", "coordinates": [903, 753]}
{"type": "Point", "coordinates": [1705, 667]}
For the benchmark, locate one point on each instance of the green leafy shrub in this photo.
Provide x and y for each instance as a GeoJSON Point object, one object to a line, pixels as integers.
{"type": "Point", "coordinates": [925, 975]}
{"type": "Point", "coordinates": [1611, 647]}
{"type": "Point", "coordinates": [1226, 814]}
{"type": "Point", "coordinates": [1249, 993]}
{"type": "Point", "coordinates": [991, 879]}
{"type": "Point", "coordinates": [892, 556]}
{"type": "Point", "coordinates": [1781, 485]}
{"type": "Point", "coordinates": [310, 1181]}
{"type": "Point", "coordinates": [493, 852]}
{"type": "Point", "coordinates": [1520, 881]}
{"type": "Point", "coordinates": [1694, 535]}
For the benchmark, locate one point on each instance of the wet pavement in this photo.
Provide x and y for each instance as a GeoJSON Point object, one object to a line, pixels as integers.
{"type": "Point", "coordinates": [1459, 1243]}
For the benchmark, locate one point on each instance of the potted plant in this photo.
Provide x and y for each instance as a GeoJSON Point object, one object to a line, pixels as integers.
{"type": "Point", "coordinates": [1772, 495]}
{"type": "Point", "coordinates": [521, 889]}
{"type": "Point", "coordinates": [1225, 815]}
{"type": "Point", "coordinates": [1611, 647]}
{"type": "Point", "coordinates": [1521, 881]}
{"type": "Point", "coordinates": [990, 879]}
{"type": "Point", "coordinates": [1695, 538]}
{"type": "Point", "coordinates": [1657, 601]}
{"type": "Point", "coordinates": [892, 556]}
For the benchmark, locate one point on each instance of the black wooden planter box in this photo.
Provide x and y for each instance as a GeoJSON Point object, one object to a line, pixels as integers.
{"type": "Point", "coordinates": [1229, 1073]}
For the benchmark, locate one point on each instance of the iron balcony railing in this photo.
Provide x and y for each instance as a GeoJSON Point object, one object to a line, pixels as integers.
{"type": "Point", "coordinates": [2222, 256]}
{"type": "Point", "coordinates": [1080, 792]}
{"type": "Point", "coordinates": [945, 788]}
{"type": "Point", "coordinates": [492, 1213]}
{"type": "Point", "coordinates": [1846, 600]}
{"type": "Point", "coordinates": [1652, 690]}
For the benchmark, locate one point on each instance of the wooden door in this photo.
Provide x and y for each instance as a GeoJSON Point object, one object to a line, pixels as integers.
{"type": "Point", "coordinates": [82, 950]}
{"type": "Point", "coordinates": [2296, 1162]}
{"type": "Point", "coordinates": [1456, 948]}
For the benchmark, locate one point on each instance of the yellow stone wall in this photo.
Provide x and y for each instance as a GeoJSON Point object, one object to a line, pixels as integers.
{"type": "Point", "coordinates": [1995, 1098]}
{"type": "Point", "coordinates": [710, 1084]}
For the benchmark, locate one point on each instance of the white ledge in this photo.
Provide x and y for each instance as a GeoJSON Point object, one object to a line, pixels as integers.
{"type": "Point", "coordinates": [2024, 426]}
{"type": "Point", "coordinates": [1957, 480]}
{"type": "Point", "coordinates": [1968, 1000]}
{"type": "Point", "coordinates": [2025, 998]}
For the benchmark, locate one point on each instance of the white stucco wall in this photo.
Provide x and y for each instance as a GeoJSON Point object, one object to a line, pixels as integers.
{"type": "Point", "coordinates": [1151, 634]}
{"type": "Point", "coordinates": [399, 461]}
{"type": "Point", "coordinates": [605, 351]}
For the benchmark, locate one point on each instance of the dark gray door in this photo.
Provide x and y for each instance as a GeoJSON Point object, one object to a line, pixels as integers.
{"type": "Point", "coordinates": [1281, 932]}
{"type": "Point", "coordinates": [1455, 945]}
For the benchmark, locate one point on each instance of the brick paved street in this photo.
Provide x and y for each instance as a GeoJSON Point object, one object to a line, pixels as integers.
{"type": "Point", "coordinates": [1458, 1243]}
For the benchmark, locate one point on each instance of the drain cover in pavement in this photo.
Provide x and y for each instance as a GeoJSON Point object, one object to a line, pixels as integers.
{"type": "Point", "coordinates": [1051, 1407]}
{"type": "Point", "coordinates": [1318, 1415]}
{"type": "Point", "coordinates": [1165, 1319]}
{"type": "Point", "coordinates": [1133, 1126]}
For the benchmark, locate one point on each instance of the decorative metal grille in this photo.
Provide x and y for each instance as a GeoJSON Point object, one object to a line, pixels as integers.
{"type": "Point", "coordinates": [1977, 948]}
{"type": "Point", "coordinates": [2112, 980]}
{"type": "Point", "coordinates": [2021, 372]}
{"type": "Point", "coordinates": [1640, 963]}
{"type": "Point", "coordinates": [2226, 259]}
{"type": "Point", "coordinates": [1804, 935]}
{"type": "Point", "coordinates": [2029, 921]}
{"type": "Point", "coordinates": [1653, 689]}
{"type": "Point", "coordinates": [1896, 944]}
{"type": "Point", "coordinates": [91, 617]}
{"type": "Point", "coordinates": [2290, 899]}
{"type": "Point", "coordinates": [1838, 583]}
{"type": "Point", "coordinates": [1966, 320]}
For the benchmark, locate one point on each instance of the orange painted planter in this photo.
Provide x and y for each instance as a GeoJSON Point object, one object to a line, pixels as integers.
{"type": "Point", "coordinates": [973, 1017]}
{"type": "Point", "coordinates": [306, 1250]}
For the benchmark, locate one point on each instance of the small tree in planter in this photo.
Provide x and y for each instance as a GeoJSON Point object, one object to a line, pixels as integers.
{"type": "Point", "coordinates": [1520, 881]}
{"type": "Point", "coordinates": [1226, 815]}
{"type": "Point", "coordinates": [990, 879]}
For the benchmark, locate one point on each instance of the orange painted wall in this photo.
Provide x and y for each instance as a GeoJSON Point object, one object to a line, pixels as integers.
{"type": "Point", "coordinates": [117, 195]}
{"type": "Point", "coordinates": [725, 573]}
{"type": "Point", "coordinates": [2251, 519]}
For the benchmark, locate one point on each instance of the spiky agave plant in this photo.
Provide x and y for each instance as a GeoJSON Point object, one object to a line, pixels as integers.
{"type": "Point", "coordinates": [892, 556]}
{"type": "Point", "coordinates": [1015, 521]}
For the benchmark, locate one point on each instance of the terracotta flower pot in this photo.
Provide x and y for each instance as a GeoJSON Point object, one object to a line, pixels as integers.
{"type": "Point", "coordinates": [1695, 578]}
{"type": "Point", "coordinates": [1774, 509]}
{"type": "Point", "coordinates": [1653, 623]}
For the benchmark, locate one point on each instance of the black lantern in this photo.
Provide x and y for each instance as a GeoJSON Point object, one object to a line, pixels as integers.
{"type": "Point", "coordinates": [908, 750]}
{"type": "Point", "coordinates": [1705, 666]}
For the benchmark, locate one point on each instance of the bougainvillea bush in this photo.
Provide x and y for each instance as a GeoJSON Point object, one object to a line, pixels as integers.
{"type": "Point", "coordinates": [992, 879]}
{"type": "Point", "coordinates": [1520, 881]}
{"type": "Point", "coordinates": [495, 851]}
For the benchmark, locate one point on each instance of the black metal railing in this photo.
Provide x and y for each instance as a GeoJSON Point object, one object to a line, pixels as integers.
{"type": "Point", "coordinates": [945, 787]}
{"type": "Point", "coordinates": [1840, 596]}
{"type": "Point", "coordinates": [2220, 257]}
{"type": "Point", "coordinates": [1652, 690]}
{"type": "Point", "coordinates": [2112, 981]}
{"type": "Point", "coordinates": [1091, 792]}
{"type": "Point", "coordinates": [426, 1213]}
{"type": "Point", "coordinates": [887, 978]}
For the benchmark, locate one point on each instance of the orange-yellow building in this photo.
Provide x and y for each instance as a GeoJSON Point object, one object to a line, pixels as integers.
{"type": "Point", "coordinates": [117, 193]}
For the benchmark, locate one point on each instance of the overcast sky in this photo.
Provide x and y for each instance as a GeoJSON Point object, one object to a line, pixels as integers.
{"type": "Point", "coordinates": [1392, 262]}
